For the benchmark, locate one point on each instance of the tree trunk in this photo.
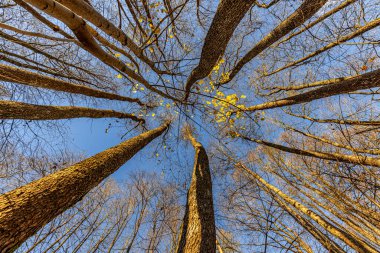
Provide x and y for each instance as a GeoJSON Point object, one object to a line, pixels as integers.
{"type": "Point", "coordinates": [323, 239]}
{"type": "Point", "coordinates": [365, 81]}
{"type": "Point", "coordinates": [226, 19]}
{"type": "Point", "coordinates": [18, 110]}
{"type": "Point", "coordinates": [89, 13]}
{"type": "Point", "coordinates": [25, 210]}
{"type": "Point", "coordinates": [86, 11]}
{"type": "Point", "coordinates": [198, 229]}
{"type": "Point", "coordinates": [352, 241]}
{"type": "Point", "coordinates": [307, 9]}
{"type": "Point", "coordinates": [17, 75]}
{"type": "Point", "coordinates": [79, 27]}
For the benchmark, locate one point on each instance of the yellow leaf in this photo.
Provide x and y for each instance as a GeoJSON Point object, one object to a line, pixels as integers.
{"type": "Point", "coordinates": [153, 114]}
{"type": "Point", "coordinates": [243, 96]}
{"type": "Point", "coordinates": [119, 76]}
{"type": "Point", "coordinates": [117, 55]}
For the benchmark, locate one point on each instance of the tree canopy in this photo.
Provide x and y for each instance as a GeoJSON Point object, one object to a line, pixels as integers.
{"type": "Point", "coordinates": [256, 123]}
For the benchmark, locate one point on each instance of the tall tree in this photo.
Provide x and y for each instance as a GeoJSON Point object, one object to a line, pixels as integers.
{"type": "Point", "coordinates": [226, 19]}
{"type": "Point", "coordinates": [25, 210]}
{"type": "Point", "coordinates": [198, 227]}
{"type": "Point", "coordinates": [16, 75]}
{"type": "Point", "coordinates": [19, 110]}
{"type": "Point", "coordinates": [303, 114]}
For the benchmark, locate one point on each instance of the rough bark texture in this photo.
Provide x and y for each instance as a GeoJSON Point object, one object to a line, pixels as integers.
{"type": "Point", "coordinates": [317, 21]}
{"type": "Point", "coordinates": [198, 229]}
{"type": "Point", "coordinates": [227, 17]}
{"type": "Point", "coordinates": [25, 210]}
{"type": "Point", "coordinates": [365, 81]}
{"type": "Point", "coordinates": [353, 241]}
{"type": "Point", "coordinates": [79, 27]}
{"type": "Point", "coordinates": [307, 9]}
{"type": "Point", "coordinates": [18, 110]}
{"type": "Point", "coordinates": [17, 75]}
{"type": "Point", "coordinates": [86, 11]}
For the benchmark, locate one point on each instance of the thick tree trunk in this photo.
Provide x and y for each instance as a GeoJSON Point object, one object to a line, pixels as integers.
{"type": "Point", "coordinates": [25, 210]}
{"type": "Point", "coordinates": [307, 9]}
{"type": "Point", "coordinates": [18, 110]}
{"type": "Point", "coordinates": [17, 75]}
{"type": "Point", "coordinates": [226, 19]}
{"type": "Point", "coordinates": [198, 229]}
{"type": "Point", "coordinates": [352, 241]}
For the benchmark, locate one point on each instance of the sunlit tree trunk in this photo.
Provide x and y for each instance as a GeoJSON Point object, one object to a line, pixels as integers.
{"type": "Point", "coordinates": [86, 11]}
{"type": "Point", "coordinates": [25, 210]}
{"type": "Point", "coordinates": [18, 110]}
{"type": "Point", "coordinates": [361, 82]}
{"type": "Point", "coordinates": [226, 19]}
{"type": "Point", "coordinates": [351, 240]}
{"type": "Point", "coordinates": [307, 9]}
{"type": "Point", "coordinates": [198, 229]}
{"type": "Point", "coordinates": [17, 75]}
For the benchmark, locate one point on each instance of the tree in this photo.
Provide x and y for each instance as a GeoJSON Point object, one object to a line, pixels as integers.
{"type": "Point", "coordinates": [198, 227]}
{"type": "Point", "coordinates": [24, 210]}
{"type": "Point", "coordinates": [283, 95]}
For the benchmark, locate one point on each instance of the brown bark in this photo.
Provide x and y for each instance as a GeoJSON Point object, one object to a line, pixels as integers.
{"type": "Point", "coordinates": [16, 75]}
{"type": "Point", "coordinates": [307, 9]}
{"type": "Point", "coordinates": [320, 19]}
{"type": "Point", "coordinates": [19, 110]}
{"type": "Point", "coordinates": [339, 198]}
{"type": "Point", "coordinates": [276, 89]}
{"type": "Point", "coordinates": [198, 233]}
{"type": "Point", "coordinates": [81, 31]}
{"type": "Point", "coordinates": [41, 18]}
{"type": "Point", "coordinates": [86, 11]}
{"type": "Point", "coordinates": [365, 81]}
{"type": "Point", "coordinates": [226, 19]}
{"type": "Point", "coordinates": [353, 225]}
{"type": "Point", "coordinates": [324, 240]}
{"type": "Point", "coordinates": [354, 242]}
{"type": "Point", "coordinates": [37, 66]}
{"type": "Point", "coordinates": [25, 210]}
